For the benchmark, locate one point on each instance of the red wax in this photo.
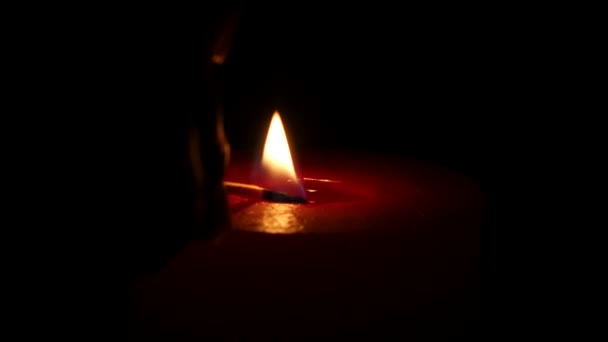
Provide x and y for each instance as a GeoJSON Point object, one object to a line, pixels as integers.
{"type": "Point", "coordinates": [398, 255]}
{"type": "Point", "coordinates": [364, 192]}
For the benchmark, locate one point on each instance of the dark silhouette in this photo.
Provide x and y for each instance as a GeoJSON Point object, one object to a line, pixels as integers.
{"type": "Point", "coordinates": [183, 147]}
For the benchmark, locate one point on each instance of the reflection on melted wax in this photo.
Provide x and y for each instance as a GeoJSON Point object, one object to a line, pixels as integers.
{"type": "Point", "coordinates": [280, 218]}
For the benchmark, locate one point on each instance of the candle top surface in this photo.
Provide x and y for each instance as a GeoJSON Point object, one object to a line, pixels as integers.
{"type": "Point", "coordinates": [356, 192]}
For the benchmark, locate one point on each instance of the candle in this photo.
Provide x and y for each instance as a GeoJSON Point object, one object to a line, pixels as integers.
{"type": "Point", "coordinates": [385, 245]}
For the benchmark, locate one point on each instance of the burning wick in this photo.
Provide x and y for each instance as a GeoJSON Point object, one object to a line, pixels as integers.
{"type": "Point", "coordinates": [278, 173]}
{"type": "Point", "coordinates": [279, 181]}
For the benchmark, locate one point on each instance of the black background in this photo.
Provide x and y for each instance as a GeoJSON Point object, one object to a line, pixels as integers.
{"type": "Point", "coordinates": [421, 81]}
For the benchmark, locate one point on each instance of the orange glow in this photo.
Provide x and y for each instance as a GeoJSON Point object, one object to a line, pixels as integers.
{"type": "Point", "coordinates": [279, 218]}
{"type": "Point", "coordinates": [276, 160]}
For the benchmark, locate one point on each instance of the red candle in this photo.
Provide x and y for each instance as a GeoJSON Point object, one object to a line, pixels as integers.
{"type": "Point", "coordinates": [389, 246]}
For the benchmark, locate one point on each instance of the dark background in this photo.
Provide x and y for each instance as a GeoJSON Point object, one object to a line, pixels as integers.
{"type": "Point", "coordinates": [421, 81]}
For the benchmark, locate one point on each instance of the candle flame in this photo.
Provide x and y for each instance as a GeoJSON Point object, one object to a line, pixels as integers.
{"type": "Point", "coordinates": [277, 155]}
{"type": "Point", "coordinates": [276, 160]}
